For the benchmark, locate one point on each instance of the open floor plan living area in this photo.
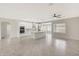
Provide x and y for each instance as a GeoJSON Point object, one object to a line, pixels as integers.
{"type": "Point", "coordinates": [39, 29]}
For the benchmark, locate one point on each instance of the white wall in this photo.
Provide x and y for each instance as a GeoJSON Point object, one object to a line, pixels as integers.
{"type": "Point", "coordinates": [14, 27]}
{"type": "Point", "coordinates": [4, 30]}
{"type": "Point", "coordinates": [0, 30]}
{"type": "Point", "coordinates": [72, 29]}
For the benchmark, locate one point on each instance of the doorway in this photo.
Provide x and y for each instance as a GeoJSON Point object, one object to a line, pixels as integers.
{"type": "Point", "coordinates": [5, 30]}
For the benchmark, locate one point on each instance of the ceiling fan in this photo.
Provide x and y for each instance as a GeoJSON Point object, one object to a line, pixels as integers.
{"type": "Point", "coordinates": [56, 16]}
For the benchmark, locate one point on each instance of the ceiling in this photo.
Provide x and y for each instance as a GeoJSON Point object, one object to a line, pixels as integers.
{"type": "Point", "coordinates": [37, 12]}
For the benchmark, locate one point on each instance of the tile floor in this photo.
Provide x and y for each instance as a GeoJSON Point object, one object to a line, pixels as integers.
{"type": "Point", "coordinates": [26, 46]}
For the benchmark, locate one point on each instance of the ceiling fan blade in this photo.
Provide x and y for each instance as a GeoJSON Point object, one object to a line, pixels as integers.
{"type": "Point", "coordinates": [56, 16]}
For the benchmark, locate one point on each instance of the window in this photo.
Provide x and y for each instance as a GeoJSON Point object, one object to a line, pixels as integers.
{"type": "Point", "coordinates": [60, 27]}
{"type": "Point", "coordinates": [46, 27]}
